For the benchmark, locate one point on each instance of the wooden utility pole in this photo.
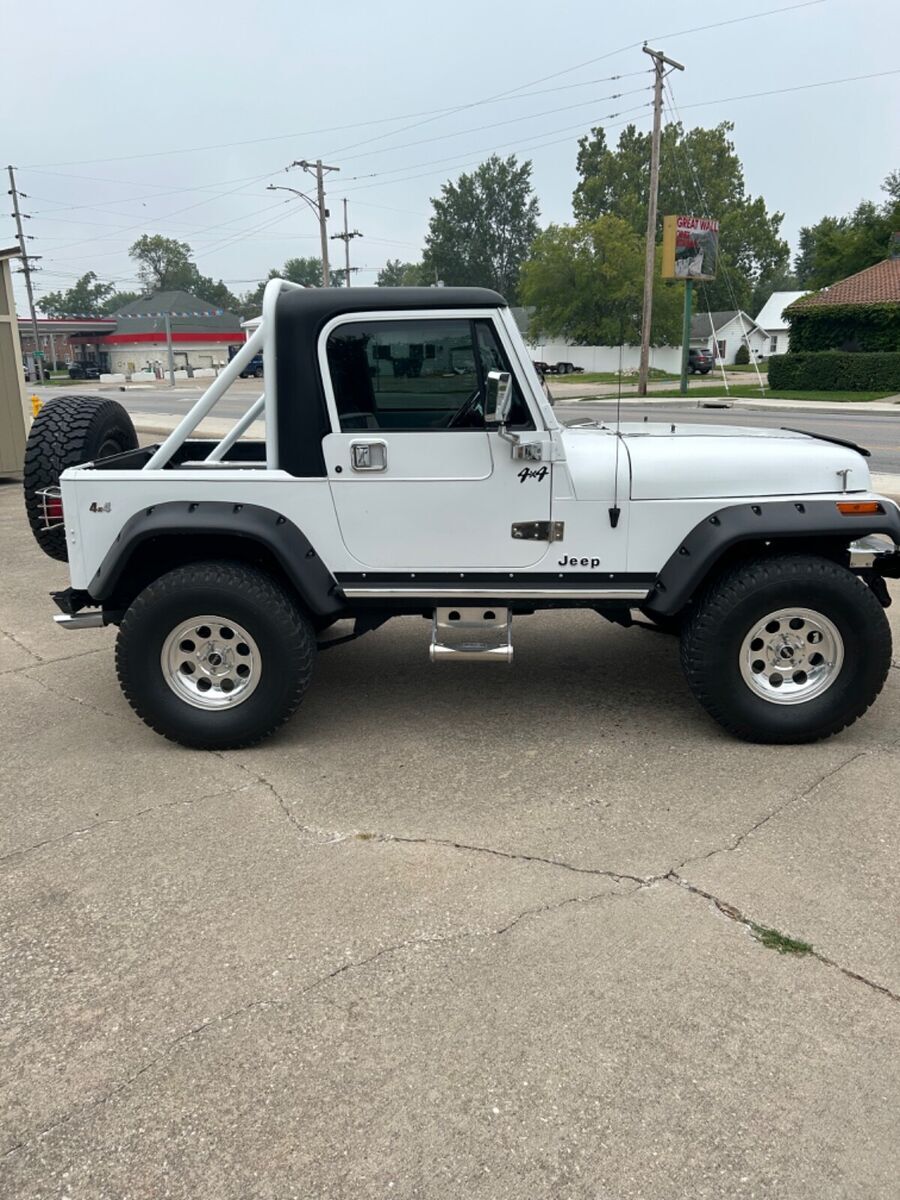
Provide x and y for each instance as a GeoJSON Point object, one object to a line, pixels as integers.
{"type": "Point", "coordinates": [26, 269]}
{"type": "Point", "coordinates": [345, 237]}
{"type": "Point", "coordinates": [318, 168]}
{"type": "Point", "coordinates": [659, 63]}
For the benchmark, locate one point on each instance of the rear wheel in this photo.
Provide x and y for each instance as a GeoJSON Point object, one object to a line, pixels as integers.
{"type": "Point", "coordinates": [215, 656]}
{"type": "Point", "coordinates": [69, 430]}
{"type": "Point", "coordinates": [788, 649]}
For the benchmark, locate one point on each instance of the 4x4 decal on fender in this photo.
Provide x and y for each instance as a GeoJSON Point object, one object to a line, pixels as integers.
{"type": "Point", "coordinates": [530, 473]}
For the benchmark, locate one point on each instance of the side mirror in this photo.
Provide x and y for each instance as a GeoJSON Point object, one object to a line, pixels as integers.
{"type": "Point", "coordinates": [499, 398]}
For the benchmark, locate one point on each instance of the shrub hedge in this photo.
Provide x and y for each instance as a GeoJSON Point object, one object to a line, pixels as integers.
{"type": "Point", "coordinates": [868, 327]}
{"type": "Point", "coordinates": [835, 371]}
{"type": "Point", "coordinates": [742, 355]}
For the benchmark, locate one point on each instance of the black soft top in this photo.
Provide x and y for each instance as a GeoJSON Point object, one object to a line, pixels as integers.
{"type": "Point", "coordinates": [320, 304]}
{"type": "Point", "coordinates": [299, 318]}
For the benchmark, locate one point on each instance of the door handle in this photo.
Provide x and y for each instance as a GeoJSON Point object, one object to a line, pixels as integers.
{"type": "Point", "coordinates": [368, 456]}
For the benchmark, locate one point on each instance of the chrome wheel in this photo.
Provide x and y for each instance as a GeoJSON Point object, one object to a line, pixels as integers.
{"type": "Point", "coordinates": [791, 656]}
{"type": "Point", "coordinates": [211, 662]}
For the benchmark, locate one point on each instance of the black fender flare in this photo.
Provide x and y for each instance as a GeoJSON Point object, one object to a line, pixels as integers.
{"type": "Point", "coordinates": [773, 521]}
{"type": "Point", "coordinates": [293, 551]}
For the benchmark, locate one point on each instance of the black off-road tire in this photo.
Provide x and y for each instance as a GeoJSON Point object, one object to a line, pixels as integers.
{"type": "Point", "coordinates": [255, 602]}
{"type": "Point", "coordinates": [68, 431]}
{"type": "Point", "coordinates": [715, 630]}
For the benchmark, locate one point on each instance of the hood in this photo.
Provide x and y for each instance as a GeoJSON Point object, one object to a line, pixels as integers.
{"type": "Point", "coordinates": [691, 462]}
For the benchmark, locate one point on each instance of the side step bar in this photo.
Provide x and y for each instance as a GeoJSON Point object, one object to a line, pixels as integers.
{"type": "Point", "coordinates": [82, 620]}
{"type": "Point", "coordinates": [472, 635]}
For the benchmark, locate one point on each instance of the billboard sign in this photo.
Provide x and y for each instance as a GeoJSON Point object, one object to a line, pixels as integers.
{"type": "Point", "coordinates": [690, 247]}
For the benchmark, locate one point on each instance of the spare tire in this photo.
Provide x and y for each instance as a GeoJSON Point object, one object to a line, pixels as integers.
{"type": "Point", "coordinates": [68, 431]}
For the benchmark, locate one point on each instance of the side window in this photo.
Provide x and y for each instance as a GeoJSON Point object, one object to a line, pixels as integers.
{"type": "Point", "coordinates": [493, 358]}
{"type": "Point", "coordinates": [406, 375]}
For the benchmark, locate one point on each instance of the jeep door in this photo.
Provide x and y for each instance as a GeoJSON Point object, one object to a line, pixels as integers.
{"type": "Point", "coordinates": [417, 479]}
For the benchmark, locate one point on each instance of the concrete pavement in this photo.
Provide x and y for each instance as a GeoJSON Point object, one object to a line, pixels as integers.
{"type": "Point", "coordinates": [451, 933]}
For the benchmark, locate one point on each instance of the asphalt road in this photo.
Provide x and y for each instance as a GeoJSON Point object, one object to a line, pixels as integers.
{"type": "Point", "coordinates": [453, 932]}
{"type": "Point", "coordinates": [878, 431]}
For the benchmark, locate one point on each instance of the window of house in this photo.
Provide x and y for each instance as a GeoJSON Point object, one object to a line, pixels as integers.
{"type": "Point", "coordinates": [773, 345]}
{"type": "Point", "coordinates": [416, 375]}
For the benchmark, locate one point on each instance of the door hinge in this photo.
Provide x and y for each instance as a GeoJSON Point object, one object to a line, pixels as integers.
{"type": "Point", "coordinates": [539, 531]}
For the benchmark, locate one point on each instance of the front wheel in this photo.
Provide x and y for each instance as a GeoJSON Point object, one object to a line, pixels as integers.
{"type": "Point", "coordinates": [215, 656]}
{"type": "Point", "coordinates": [787, 649]}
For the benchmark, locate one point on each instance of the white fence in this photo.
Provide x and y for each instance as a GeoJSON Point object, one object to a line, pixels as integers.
{"type": "Point", "coordinates": [606, 358]}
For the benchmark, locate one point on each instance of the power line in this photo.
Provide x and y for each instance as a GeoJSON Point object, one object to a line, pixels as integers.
{"type": "Point", "coordinates": [281, 137]}
{"type": "Point", "coordinates": [509, 93]}
{"type": "Point", "coordinates": [495, 124]}
{"type": "Point", "coordinates": [800, 87]}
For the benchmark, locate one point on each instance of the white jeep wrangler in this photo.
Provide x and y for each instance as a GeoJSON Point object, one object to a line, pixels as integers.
{"type": "Point", "coordinates": [412, 465]}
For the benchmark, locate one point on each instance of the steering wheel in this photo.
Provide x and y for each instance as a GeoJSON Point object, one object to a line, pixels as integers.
{"type": "Point", "coordinates": [462, 414]}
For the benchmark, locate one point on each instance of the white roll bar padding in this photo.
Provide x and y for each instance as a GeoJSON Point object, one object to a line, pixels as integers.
{"type": "Point", "coordinates": [262, 339]}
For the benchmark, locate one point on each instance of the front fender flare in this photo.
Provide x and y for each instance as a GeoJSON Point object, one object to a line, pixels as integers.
{"type": "Point", "coordinates": [785, 520]}
{"type": "Point", "coordinates": [291, 548]}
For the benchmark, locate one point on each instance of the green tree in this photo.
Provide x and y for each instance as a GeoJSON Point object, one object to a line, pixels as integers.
{"type": "Point", "coordinates": [87, 297]}
{"type": "Point", "coordinates": [700, 173]}
{"type": "Point", "coordinates": [118, 300]}
{"type": "Point", "coordinates": [586, 281]}
{"type": "Point", "coordinates": [165, 264]}
{"type": "Point", "coordinates": [395, 273]}
{"type": "Point", "coordinates": [836, 247]}
{"type": "Point", "coordinates": [305, 271]}
{"type": "Point", "coordinates": [483, 226]}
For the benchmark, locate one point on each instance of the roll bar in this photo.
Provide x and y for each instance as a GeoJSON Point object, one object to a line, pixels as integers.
{"type": "Point", "coordinates": [262, 339]}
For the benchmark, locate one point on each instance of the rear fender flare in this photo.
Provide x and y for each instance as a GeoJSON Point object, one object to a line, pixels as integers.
{"type": "Point", "coordinates": [290, 547]}
{"type": "Point", "coordinates": [781, 520]}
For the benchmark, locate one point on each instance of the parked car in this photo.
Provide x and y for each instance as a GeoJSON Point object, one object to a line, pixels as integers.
{"type": "Point", "coordinates": [84, 371]}
{"type": "Point", "coordinates": [700, 360]}
{"type": "Point", "coordinates": [254, 368]}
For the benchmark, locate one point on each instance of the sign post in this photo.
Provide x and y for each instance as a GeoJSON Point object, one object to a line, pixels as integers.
{"type": "Point", "coordinates": [686, 336]}
{"type": "Point", "coordinates": [690, 249]}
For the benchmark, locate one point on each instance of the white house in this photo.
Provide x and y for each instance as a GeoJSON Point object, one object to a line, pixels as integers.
{"type": "Point", "coordinates": [771, 320]}
{"type": "Point", "coordinates": [723, 333]}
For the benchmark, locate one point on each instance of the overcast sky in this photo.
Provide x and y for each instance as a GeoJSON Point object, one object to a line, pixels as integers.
{"type": "Point", "coordinates": [122, 113]}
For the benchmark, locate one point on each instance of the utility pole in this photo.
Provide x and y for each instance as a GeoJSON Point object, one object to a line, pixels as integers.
{"type": "Point", "coordinates": [659, 63]}
{"type": "Point", "coordinates": [318, 168]}
{"type": "Point", "coordinates": [26, 266]}
{"type": "Point", "coordinates": [345, 238]}
{"type": "Point", "coordinates": [171, 352]}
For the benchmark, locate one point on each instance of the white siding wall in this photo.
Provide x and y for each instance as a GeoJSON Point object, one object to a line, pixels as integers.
{"type": "Point", "coordinates": [606, 358]}
{"type": "Point", "coordinates": [124, 358]}
{"type": "Point", "coordinates": [732, 335]}
{"type": "Point", "coordinates": [782, 339]}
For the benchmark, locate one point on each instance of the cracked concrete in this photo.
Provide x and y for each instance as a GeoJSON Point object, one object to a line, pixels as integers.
{"type": "Point", "coordinates": [449, 933]}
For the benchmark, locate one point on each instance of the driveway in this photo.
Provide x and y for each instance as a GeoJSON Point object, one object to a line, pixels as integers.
{"type": "Point", "coordinates": [453, 933]}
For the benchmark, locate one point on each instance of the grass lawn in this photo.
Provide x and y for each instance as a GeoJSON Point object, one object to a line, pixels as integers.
{"type": "Point", "coordinates": [752, 392]}
{"type": "Point", "coordinates": [748, 367]}
{"type": "Point", "coordinates": [630, 377]}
